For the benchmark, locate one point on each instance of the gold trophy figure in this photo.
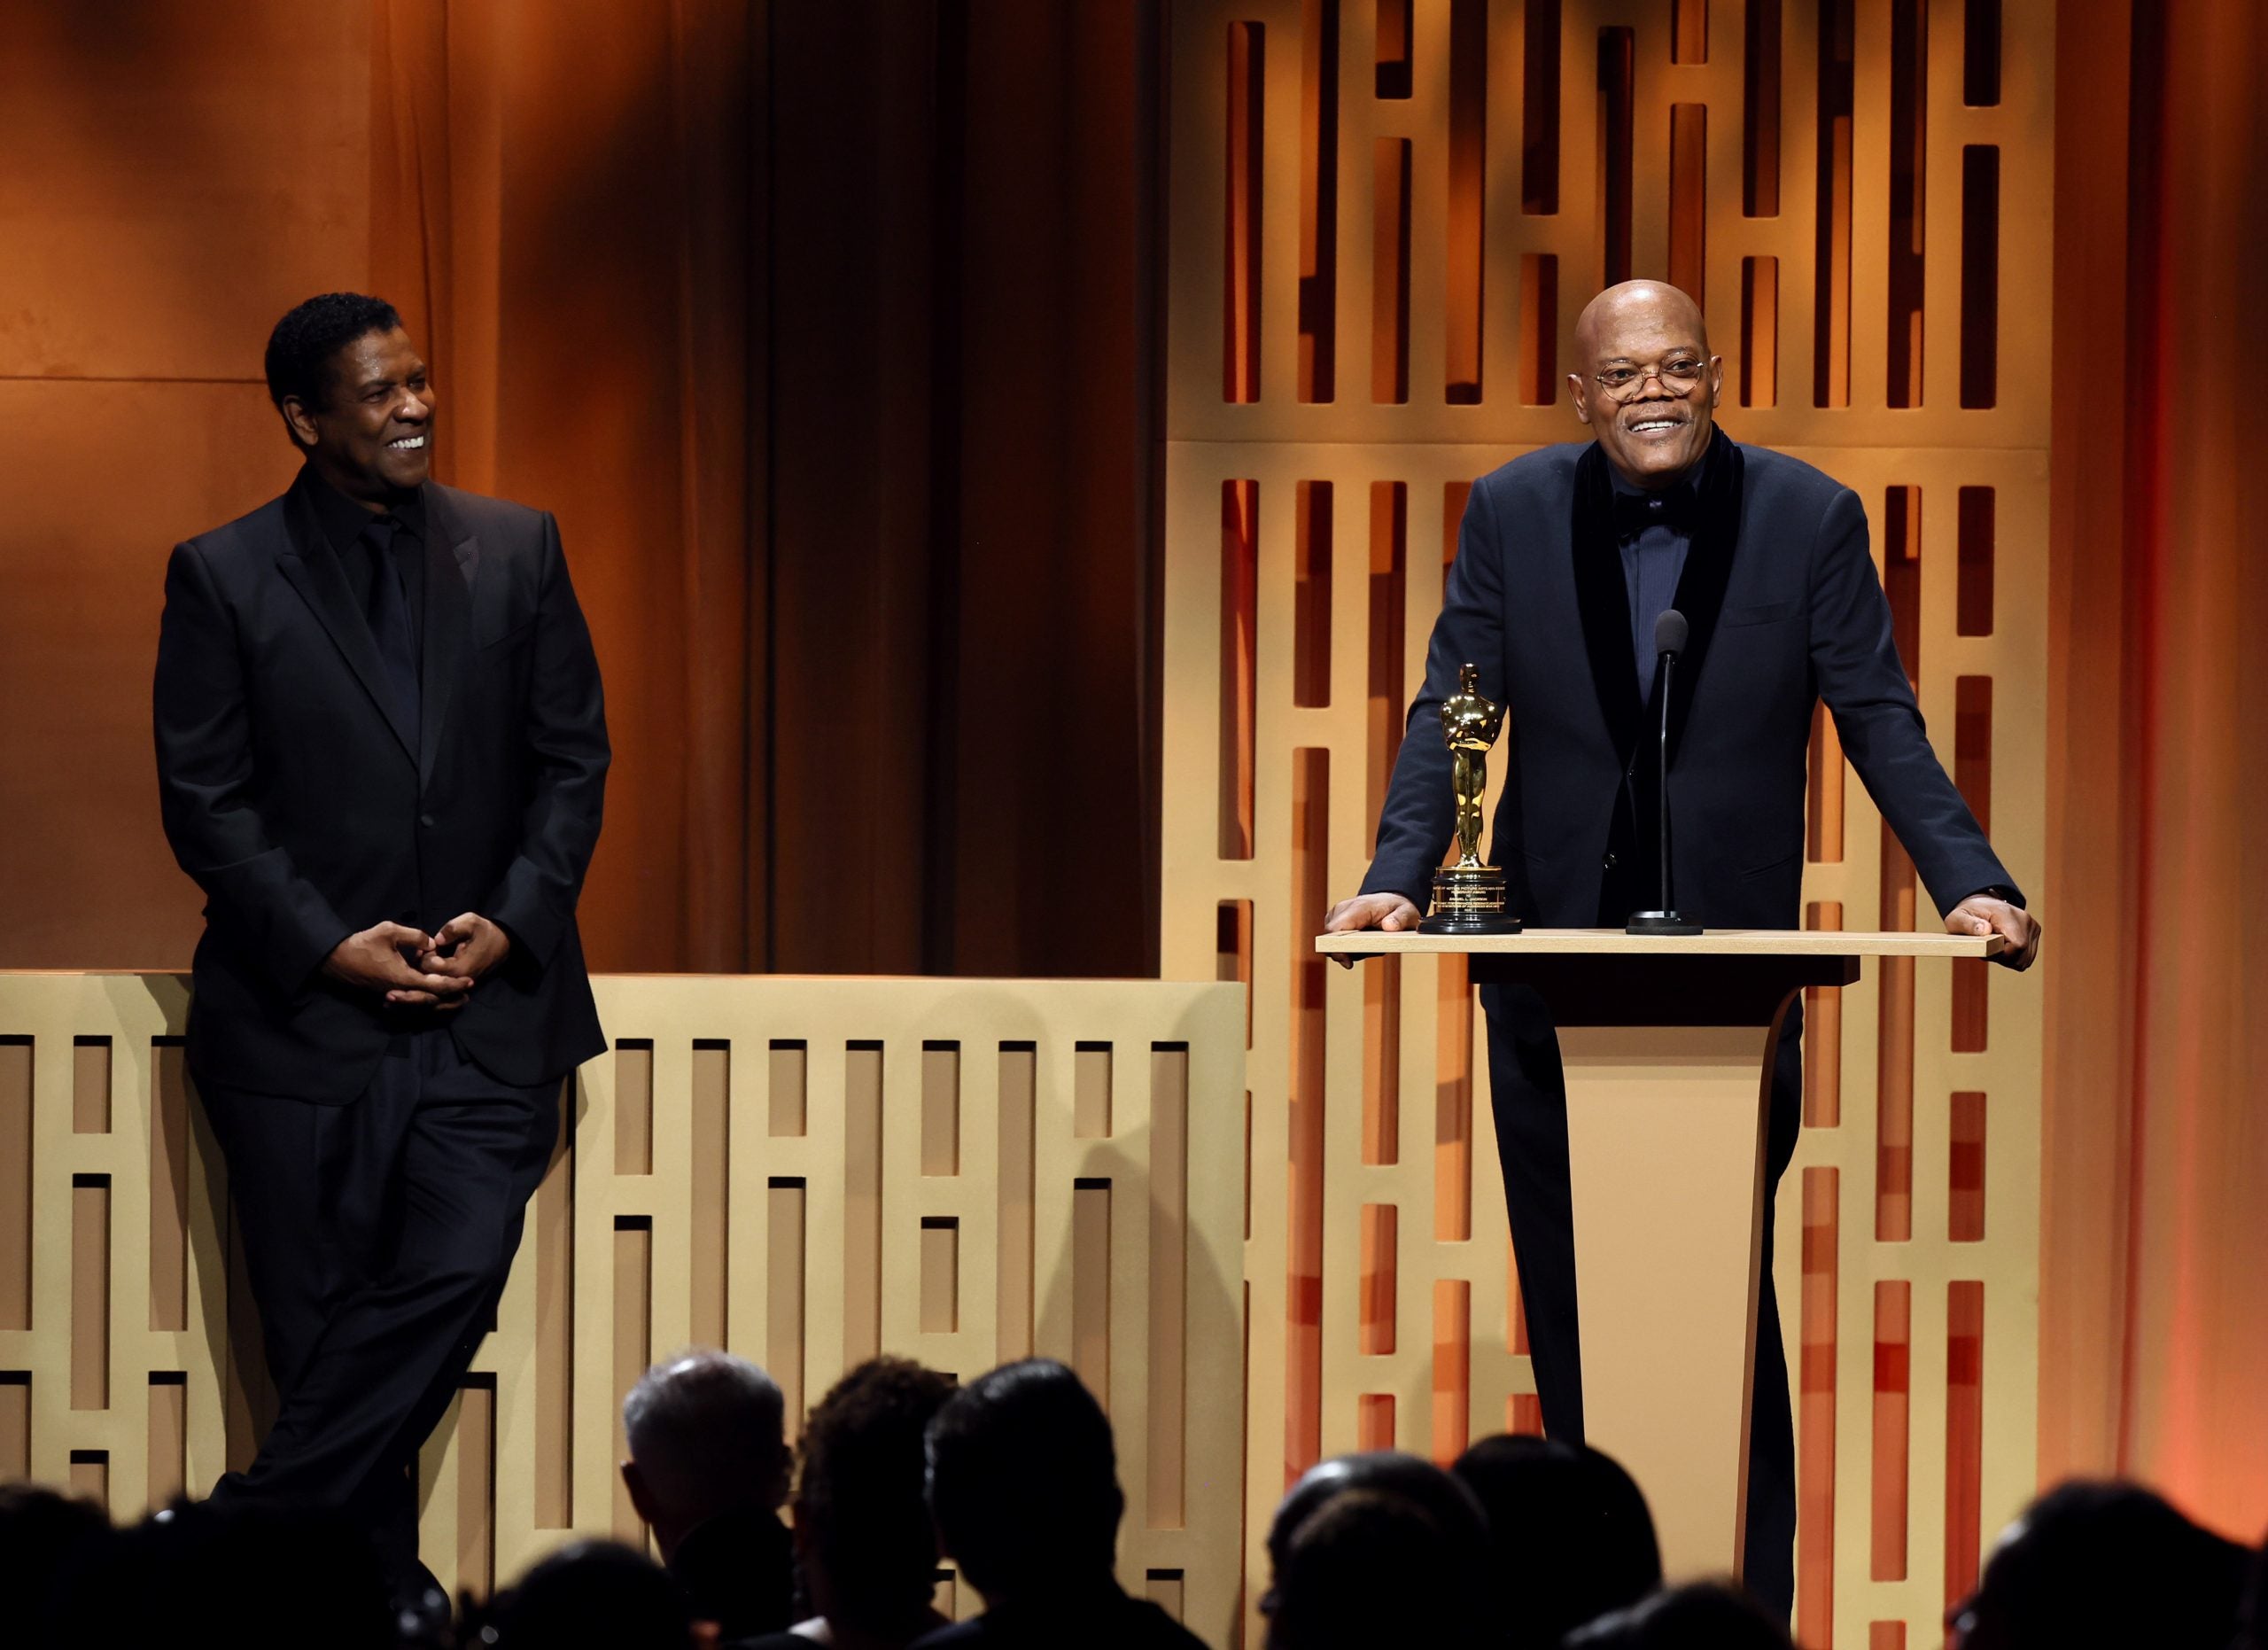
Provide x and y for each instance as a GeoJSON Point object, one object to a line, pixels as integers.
{"type": "Point", "coordinates": [1469, 897]}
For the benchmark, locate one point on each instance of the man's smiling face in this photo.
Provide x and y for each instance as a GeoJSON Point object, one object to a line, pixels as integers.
{"type": "Point", "coordinates": [1649, 385]}
{"type": "Point", "coordinates": [372, 437]}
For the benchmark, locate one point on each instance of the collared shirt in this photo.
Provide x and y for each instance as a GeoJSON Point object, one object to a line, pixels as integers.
{"type": "Point", "coordinates": [1653, 558]}
{"type": "Point", "coordinates": [343, 522]}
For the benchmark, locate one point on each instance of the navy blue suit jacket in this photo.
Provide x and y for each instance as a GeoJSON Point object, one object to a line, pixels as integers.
{"type": "Point", "coordinates": [1784, 609]}
{"type": "Point", "coordinates": [307, 810]}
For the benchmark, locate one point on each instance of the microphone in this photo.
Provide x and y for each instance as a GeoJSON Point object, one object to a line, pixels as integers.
{"type": "Point", "coordinates": [1669, 640]}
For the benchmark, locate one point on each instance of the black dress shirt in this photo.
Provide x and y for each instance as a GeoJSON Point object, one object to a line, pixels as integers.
{"type": "Point", "coordinates": [345, 525]}
{"type": "Point", "coordinates": [1653, 560]}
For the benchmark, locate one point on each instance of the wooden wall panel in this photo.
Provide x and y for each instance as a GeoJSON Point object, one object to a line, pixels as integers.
{"type": "Point", "coordinates": [1841, 192]}
{"type": "Point", "coordinates": [78, 780]}
{"type": "Point", "coordinates": [146, 259]}
{"type": "Point", "coordinates": [1096, 1135]}
{"type": "Point", "coordinates": [159, 209]}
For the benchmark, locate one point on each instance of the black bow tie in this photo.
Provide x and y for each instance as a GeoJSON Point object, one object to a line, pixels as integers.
{"type": "Point", "coordinates": [1635, 512]}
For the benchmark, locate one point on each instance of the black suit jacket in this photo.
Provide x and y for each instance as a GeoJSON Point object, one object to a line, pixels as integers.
{"type": "Point", "coordinates": [1784, 609]}
{"type": "Point", "coordinates": [307, 812]}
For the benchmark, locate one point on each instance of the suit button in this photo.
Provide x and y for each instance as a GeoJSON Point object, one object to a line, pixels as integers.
{"type": "Point", "coordinates": [1610, 861]}
{"type": "Point", "coordinates": [426, 820]}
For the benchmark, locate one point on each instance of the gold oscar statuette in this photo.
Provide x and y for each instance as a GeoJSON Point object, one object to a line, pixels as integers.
{"type": "Point", "coordinates": [1469, 897]}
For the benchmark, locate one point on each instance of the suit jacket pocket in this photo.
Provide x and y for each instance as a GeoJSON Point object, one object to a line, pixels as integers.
{"type": "Point", "coordinates": [513, 631]}
{"type": "Point", "coordinates": [1770, 866]}
{"type": "Point", "coordinates": [1766, 613]}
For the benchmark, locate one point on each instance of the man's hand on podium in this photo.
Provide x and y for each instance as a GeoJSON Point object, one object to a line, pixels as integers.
{"type": "Point", "coordinates": [1393, 913]}
{"type": "Point", "coordinates": [1981, 914]}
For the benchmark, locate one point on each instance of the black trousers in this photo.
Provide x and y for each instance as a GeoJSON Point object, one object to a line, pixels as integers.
{"type": "Point", "coordinates": [378, 1235]}
{"type": "Point", "coordinates": [1528, 1091]}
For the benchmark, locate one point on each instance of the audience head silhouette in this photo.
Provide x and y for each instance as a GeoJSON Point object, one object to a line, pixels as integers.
{"type": "Point", "coordinates": [862, 1525]}
{"type": "Point", "coordinates": [1433, 1492]}
{"type": "Point", "coordinates": [1707, 1615]}
{"type": "Point", "coordinates": [594, 1595]}
{"type": "Point", "coordinates": [1373, 1566]}
{"type": "Point", "coordinates": [2093, 1563]}
{"type": "Point", "coordinates": [255, 1576]}
{"type": "Point", "coordinates": [705, 1432]}
{"type": "Point", "coordinates": [45, 1537]}
{"type": "Point", "coordinates": [1023, 1482]}
{"type": "Point", "coordinates": [1569, 1535]}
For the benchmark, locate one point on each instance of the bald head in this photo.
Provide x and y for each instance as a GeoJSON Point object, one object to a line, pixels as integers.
{"type": "Point", "coordinates": [1645, 381]}
{"type": "Point", "coordinates": [1641, 306]}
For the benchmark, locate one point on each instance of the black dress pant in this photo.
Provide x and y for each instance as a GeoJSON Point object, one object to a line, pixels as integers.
{"type": "Point", "coordinates": [1528, 1091]}
{"type": "Point", "coordinates": [378, 1235]}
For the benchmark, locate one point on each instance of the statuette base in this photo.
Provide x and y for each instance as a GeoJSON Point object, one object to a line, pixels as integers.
{"type": "Point", "coordinates": [1469, 899]}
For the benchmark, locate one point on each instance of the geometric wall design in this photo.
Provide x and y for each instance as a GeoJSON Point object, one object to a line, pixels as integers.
{"type": "Point", "coordinates": [806, 1171]}
{"type": "Point", "coordinates": [1384, 216]}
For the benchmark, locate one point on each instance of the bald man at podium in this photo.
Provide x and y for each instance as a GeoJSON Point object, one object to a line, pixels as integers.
{"type": "Point", "coordinates": [1565, 559]}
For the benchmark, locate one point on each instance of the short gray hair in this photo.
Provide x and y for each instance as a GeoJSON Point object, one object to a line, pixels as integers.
{"type": "Point", "coordinates": [706, 1430]}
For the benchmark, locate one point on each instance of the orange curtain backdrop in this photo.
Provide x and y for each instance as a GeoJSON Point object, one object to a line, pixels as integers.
{"type": "Point", "coordinates": [823, 330]}
{"type": "Point", "coordinates": [158, 211]}
{"type": "Point", "coordinates": [562, 204]}
{"type": "Point", "coordinates": [2155, 1310]}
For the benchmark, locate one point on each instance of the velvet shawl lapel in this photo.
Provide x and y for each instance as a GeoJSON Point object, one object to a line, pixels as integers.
{"type": "Point", "coordinates": [1602, 597]}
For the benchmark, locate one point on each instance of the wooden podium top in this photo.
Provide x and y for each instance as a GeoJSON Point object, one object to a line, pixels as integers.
{"type": "Point", "coordinates": [1603, 977]}
{"type": "Point", "coordinates": [1608, 942]}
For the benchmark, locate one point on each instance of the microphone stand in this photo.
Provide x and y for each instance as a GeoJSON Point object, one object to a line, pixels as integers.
{"type": "Point", "coordinates": [1665, 920]}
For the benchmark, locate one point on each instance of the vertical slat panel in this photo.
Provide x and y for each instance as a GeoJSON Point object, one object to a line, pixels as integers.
{"type": "Point", "coordinates": [91, 1086]}
{"type": "Point", "coordinates": [633, 1342]}
{"type": "Point", "coordinates": [1019, 1078]}
{"type": "Point", "coordinates": [710, 1212]}
{"type": "Point", "coordinates": [15, 1425]}
{"type": "Point", "coordinates": [169, 1162]}
{"type": "Point", "coordinates": [552, 1230]}
{"type": "Point", "coordinates": [91, 1297]}
{"type": "Point", "coordinates": [1168, 1453]}
{"type": "Point", "coordinates": [16, 1158]}
{"type": "Point", "coordinates": [1091, 1285]}
{"type": "Point", "coordinates": [786, 1349]}
{"type": "Point", "coordinates": [476, 1488]}
{"type": "Point", "coordinates": [169, 1437]}
{"type": "Point", "coordinates": [862, 1203]}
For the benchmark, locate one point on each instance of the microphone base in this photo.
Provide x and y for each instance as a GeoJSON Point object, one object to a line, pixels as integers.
{"type": "Point", "coordinates": [1659, 923]}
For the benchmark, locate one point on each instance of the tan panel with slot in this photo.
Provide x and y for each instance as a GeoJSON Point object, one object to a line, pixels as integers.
{"type": "Point", "coordinates": [877, 1136]}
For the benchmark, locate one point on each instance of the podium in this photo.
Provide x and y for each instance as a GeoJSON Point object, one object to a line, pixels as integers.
{"type": "Point", "coordinates": [1668, 1046]}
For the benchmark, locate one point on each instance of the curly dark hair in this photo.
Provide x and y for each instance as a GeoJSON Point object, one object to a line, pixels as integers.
{"type": "Point", "coordinates": [307, 339]}
{"type": "Point", "coordinates": [860, 1495]}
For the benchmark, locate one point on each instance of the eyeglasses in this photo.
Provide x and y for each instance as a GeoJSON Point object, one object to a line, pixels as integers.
{"type": "Point", "coordinates": [1678, 375]}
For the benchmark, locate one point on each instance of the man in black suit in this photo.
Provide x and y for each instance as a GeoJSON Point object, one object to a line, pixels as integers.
{"type": "Point", "coordinates": [381, 753]}
{"type": "Point", "coordinates": [1566, 558]}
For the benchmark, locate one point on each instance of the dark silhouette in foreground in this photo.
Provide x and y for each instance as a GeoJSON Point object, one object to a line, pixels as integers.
{"type": "Point", "coordinates": [1023, 1485]}
{"type": "Point", "coordinates": [1569, 1535]}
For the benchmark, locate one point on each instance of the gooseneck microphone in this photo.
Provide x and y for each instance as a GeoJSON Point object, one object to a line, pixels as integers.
{"type": "Point", "coordinates": [1669, 642]}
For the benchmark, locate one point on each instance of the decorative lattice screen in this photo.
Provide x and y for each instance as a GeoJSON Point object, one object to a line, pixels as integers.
{"type": "Point", "coordinates": [1386, 216]}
